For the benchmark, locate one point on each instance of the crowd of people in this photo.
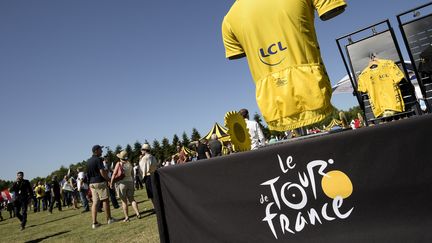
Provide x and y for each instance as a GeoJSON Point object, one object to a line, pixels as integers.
{"type": "Point", "coordinates": [92, 188]}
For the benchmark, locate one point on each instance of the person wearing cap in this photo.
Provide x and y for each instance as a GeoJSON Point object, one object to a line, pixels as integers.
{"type": "Point", "coordinates": [99, 183]}
{"type": "Point", "coordinates": [125, 186]}
{"type": "Point", "coordinates": [255, 132]}
{"type": "Point", "coordinates": [148, 165]}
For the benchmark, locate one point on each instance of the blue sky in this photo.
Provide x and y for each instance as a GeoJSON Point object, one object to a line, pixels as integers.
{"type": "Point", "coordinates": [78, 73]}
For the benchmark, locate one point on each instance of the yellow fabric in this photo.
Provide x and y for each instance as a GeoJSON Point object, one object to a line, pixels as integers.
{"type": "Point", "coordinates": [279, 40]}
{"type": "Point", "coordinates": [220, 131]}
{"type": "Point", "coordinates": [381, 84]}
{"type": "Point", "coordinates": [41, 189]}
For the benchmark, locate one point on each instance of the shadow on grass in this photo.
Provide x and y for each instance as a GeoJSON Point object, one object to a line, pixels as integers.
{"type": "Point", "coordinates": [47, 222]}
{"type": "Point", "coordinates": [46, 237]}
{"type": "Point", "coordinates": [145, 200]}
{"type": "Point", "coordinates": [148, 213]}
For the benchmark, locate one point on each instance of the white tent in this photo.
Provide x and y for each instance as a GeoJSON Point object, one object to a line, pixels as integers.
{"type": "Point", "coordinates": [343, 86]}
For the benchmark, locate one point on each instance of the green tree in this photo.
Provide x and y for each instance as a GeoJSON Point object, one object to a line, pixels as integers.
{"type": "Point", "coordinates": [157, 150]}
{"type": "Point", "coordinates": [5, 184]}
{"type": "Point", "coordinates": [134, 157]}
{"type": "Point", "coordinates": [195, 136]}
{"type": "Point", "coordinates": [35, 180]}
{"type": "Point", "coordinates": [111, 155]}
{"type": "Point", "coordinates": [175, 142]}
{"type": "Point", "coordinates": [61, 172]}
{"type": "Point", "coordinates": [185, 140]}
{"type": "Point", "coordinates": [128, 150]}
{"type": "Point", "coordinates": [265, 129]}
{"type": "Point", "coordinates": [166, 149]}
{"type": "Point", "coordinates": [351, 114]}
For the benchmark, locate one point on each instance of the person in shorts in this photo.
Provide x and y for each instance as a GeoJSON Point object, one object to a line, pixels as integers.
{"type": "Point", "coordinates": [125, 186]}
{"type": "Point", "coordinates": [99, 183]}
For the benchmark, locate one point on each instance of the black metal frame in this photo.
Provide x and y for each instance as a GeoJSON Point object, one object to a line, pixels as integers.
{"type": "Point", "coordinates": [405, 39]}
{"type": "Point", "coordinates": [349, 65]}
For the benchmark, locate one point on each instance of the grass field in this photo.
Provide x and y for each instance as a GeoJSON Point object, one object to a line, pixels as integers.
{"type": "Point", "coordinates": [73, 226]}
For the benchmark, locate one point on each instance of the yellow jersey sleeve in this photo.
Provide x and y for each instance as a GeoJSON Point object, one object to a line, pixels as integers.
{"type": "Point", "coordinates": [397, 74]}
{"type": "Point", "coordinates": [232, 45]}
{"type": "Point", "coordinates": [361, 83]}
{"type": "Point", "coordinates": [324, 6]}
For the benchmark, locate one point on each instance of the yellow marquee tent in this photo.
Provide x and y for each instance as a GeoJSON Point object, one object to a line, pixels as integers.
{"type": "Point", "coordinates": [220, 131]}
{"type": "Point", "coordinates": [333, 123]}
{"type": "Point", "coordinates": [188, 151]}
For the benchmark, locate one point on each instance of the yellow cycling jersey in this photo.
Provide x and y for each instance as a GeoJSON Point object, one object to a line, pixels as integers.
{"type": "Point", "coordinates": [380, 81]}
{"type": "Point", "coordinates": [279, 40]}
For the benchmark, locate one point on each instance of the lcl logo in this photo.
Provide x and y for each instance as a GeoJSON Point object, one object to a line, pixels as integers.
{"type": "Point", "coordinates": [271, 50]}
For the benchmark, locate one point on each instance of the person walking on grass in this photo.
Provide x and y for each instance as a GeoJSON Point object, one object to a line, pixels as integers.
{"type": "Point", "coordinates": [82, 187]}
{"type": "Point", "coordinates": [148, 165]}
{"type": "Point", "coordinates": [47, 197]}
{"type": "Point", "coordinates": [99, 183]}
{"type": "Point", "coordinates": [55, 194]}
{"type": "Point", "coordinates": [125, 186]}
{"type": "Point", "coordinates": [136, 171]}
{"type": "Point", "coordinates": [1, 208]}
{"type": "Point", "coordinates": [67, 191]}
{"type": "Point", "coordinates": [40, 195]}
{"type": "Point", "coordinates": [111, 191]}
{"type": "Point", "coordinates": [23, 193]}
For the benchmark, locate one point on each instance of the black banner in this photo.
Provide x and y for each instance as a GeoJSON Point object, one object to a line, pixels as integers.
{"type": "Point", "coordinates": [366, 185]}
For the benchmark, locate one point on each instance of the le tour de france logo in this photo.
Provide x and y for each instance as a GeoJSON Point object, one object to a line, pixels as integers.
{"type": "Point", "coordinates": [271, 50]}
{"type": "Point", "coordinates": [287, 204]}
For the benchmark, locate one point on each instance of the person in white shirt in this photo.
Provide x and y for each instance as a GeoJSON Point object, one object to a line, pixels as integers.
{"type": "Point", "coordinates": [137, 177]}
{"type": "Point", "coordinates": [82, 187]}
{"type": "Point", "coordinates": [148, 165]}
{"type": "Point", "coordinates": [255, 132]}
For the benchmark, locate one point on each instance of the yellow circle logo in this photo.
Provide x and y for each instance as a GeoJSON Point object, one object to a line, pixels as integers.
{"type": "Point", "coordinates": [336, 183]}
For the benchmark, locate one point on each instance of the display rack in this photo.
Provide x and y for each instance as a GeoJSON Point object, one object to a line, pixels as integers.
{"type": "Point", "coordinates": [375, 40]}
{"type": "Point", "coordinates": [416, 29]}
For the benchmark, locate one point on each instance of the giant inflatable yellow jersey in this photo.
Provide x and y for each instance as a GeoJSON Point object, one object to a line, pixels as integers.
{"type": "Point", "coordinates": [382, 85]}
{"type": "Point", "coordinates": [279, 40]}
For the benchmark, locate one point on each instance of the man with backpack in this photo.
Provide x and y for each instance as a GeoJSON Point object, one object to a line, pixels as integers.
{"type": "Point", "coordinates": [40, 195]}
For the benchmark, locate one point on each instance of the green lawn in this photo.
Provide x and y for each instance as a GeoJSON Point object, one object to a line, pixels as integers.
{"type": "Point", "coordinates": [73, 226]}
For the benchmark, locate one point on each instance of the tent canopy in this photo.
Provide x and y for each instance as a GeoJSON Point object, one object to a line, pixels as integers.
{"type": "Point", "coordinates": [220, 131]}
{"type": "Point", "coordinates": [188, 151]}
{"type": "Point", "coordinates": [334, 123]}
